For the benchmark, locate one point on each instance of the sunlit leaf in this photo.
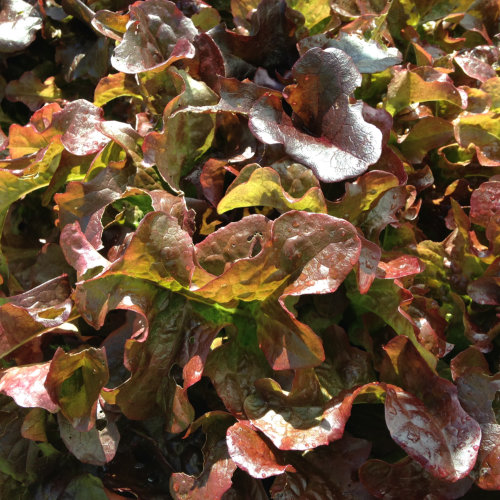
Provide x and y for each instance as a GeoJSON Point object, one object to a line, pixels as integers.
{"type": "Point", "coordinates": [74, 381]}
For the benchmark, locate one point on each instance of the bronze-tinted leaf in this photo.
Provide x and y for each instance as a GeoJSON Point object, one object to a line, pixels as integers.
{"type": "Point", "coordinates": [74, 381]}
{"type": "Point", "coordinates": [25, 384]}
{"type": "Point", "coordinates": [252, 453]}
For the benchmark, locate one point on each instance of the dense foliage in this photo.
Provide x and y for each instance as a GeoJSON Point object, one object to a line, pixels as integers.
{"type": "Point", "coordinates": [249, 249]}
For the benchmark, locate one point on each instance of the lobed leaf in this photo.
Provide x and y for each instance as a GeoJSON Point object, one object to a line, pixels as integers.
{"type": "Point", "coordinates": [369, 56]}
{"type": "Point", "coordinates": [320, 101]}
{"type": "Point", "coordinates": [262, 186]}
{"type": "Point", "coordinates": [157, 35]}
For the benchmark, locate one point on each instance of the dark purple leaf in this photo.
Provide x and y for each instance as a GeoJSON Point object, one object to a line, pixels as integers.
{"type": "Point", "coordinates": [408, 479]}
{"type": "Point", "coordinates": [245, 487]}
{"type": "Point", "coordinates": [270, 44]}
{"type": "Point", "coordinates": [315, 477]}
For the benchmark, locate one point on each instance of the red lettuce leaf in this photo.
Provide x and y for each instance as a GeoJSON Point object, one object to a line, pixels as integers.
{"type": "Point", "coordinates": [25, 384]}
{"type": "Point", "coordinates": [270, 44]}
{"type": "Point", "coordinates": [251, 452]}
{"type": "Point", "coordinates": [233, 369]}
{"type": "Point", "coordinates": [218, 467]}
{"type": "Point", "coordinates": [78, 124]}
{"type": "Point", "coordinates": [74, 381]}
{"type": "Point", "coordinates": [314, 472]}
{"type": "Point", "coordinates": [85, 202]}
{"type": "Point", "coordinates": [420, 85]}
{"type": "Point", "coordinates": [30, 90]}
{"type": "Point", "coordinates": [326, 113]}
{"type": "Point", "coordinates": [295, 242]}
{"type": "Point", "coordinates": [428, 133]}
{"type": "Point", "coordinates": [426, 418]}
{"type": "Point", "coordinates": [408, 479]}
{"type": "Point", "coordinates": [296, 425]}
{"type": "Point", "coordinates": [256, 186]}
{"type": "Point", "coordinates": [477, 391]}
{"type": "Point", "coordinates": [79, 252]}
{"type": "Point", "coordinates": [485, 203]}
{"type": "Point", "coordinates": [96, 446]}
{"type": "Point", "coordinates": [287, 343]}
{"type": "Point", "coordinates": [159, 250]}
{"type": "Point", "coordinates": [186, 133]}
{"type": "Point", "coordinates": [24, 317]}
{"type": "Point", "coordinates": [19, 23]}
{"type": "Point", "coordinates": [369, 56]}
{"type": "Point", "coordinates": [157, 34]}
{"type": "Point", "coordinates": [369, 259]}
{"type": "Point", "coordinates": [33, 427]}
{"type": "Point", "coordinates": [345, 366]}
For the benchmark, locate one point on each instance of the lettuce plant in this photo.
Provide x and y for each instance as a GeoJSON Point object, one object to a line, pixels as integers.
{"type": "Point", "coordinates": [249, 249]}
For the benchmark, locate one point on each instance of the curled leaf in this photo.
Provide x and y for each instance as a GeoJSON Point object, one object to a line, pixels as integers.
{"type": "Point", "coordinates": [427, 421]}
{"type": "Point", "coordinates": [25, 384]}
{"type": "Point", "coordinates": [262, 186]}
{"type": "Point", "coordinates": [252, 454]}
{"type": "Point", "coordinates": [369, 56]}
{"type": "Point", "coordinates": [74, 382]}
{"type": "Point", "coordinates": [320, 101]}
{"type": "Point", "coordinates": [19, 23]}
{"type": "Point", "coordinates": [157, 34]}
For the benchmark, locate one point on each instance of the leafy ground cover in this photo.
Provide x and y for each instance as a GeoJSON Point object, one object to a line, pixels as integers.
{"type": "Point", "coordinates": [249, 249]}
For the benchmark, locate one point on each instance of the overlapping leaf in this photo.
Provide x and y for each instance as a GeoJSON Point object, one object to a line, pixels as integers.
{"type": "Point", "coordinates": [321, 106]}
{"type": "Point", "coordinates": [311, 324]}
{"type": "Point", "coordinates": [157, 35]}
